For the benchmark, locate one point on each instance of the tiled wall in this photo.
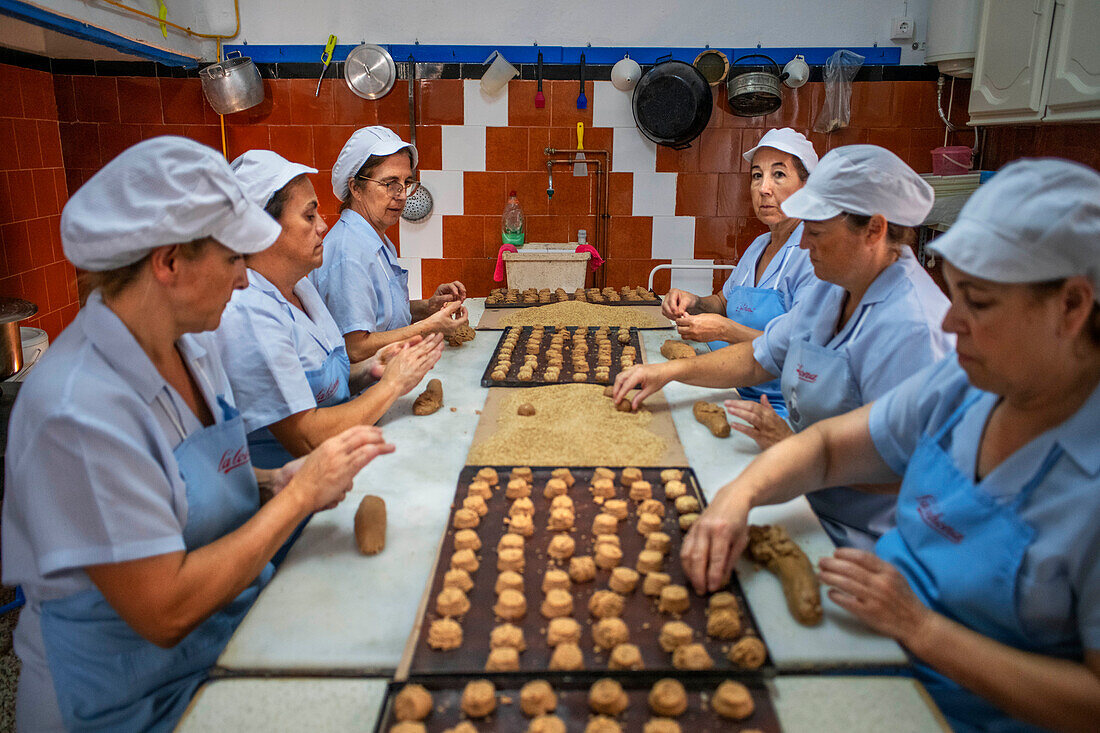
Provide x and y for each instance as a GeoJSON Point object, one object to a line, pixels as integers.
{"type": "Point", "coordinates": [32, 192]}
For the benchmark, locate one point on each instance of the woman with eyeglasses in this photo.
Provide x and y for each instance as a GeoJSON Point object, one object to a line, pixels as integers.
{"type": "Point", "coordinates": [361, 281]}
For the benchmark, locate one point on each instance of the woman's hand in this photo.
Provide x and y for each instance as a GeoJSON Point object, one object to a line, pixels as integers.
{"type": "Point", "coordinates": [875, 592]}
{"type": "Point", "coordinates": [377, 363]}
{"type": "Point", "coordinates": [409, 365]}
{"type": "Point", "coordinates": [703, 327]}
{"type": "Point", "coordinates": [648, 378]}
{"type": "Point", "coordinates": [716, 540]}
{"type": "Point", "coordinates": [446, 293]}
{"type": "Point", "coordinates": [677, 303]}
{"type": "Point", "coordinates": [323, 478]}
{"type": "Point", "coordinates": [448, 319]}
{"type": "Point", "coordinates": [765, 426]}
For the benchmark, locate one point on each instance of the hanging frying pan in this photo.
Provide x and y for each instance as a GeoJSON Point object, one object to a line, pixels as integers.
{"type": "Point", "coordinates": [370, 71]}
{"type": "Point", "coordinates": [672, 104]}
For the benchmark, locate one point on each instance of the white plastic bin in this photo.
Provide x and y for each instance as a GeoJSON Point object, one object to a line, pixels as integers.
{"type": "Point", "coordinates": [546, 266]}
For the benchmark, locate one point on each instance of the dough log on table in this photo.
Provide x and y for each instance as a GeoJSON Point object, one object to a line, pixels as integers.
{"type": "Point", "coordinates": [626, 403]}
{"type": "Point", "coordinates": [430, 400]}
{"type": "Point", "coordinates": [773, 548]}
{"type": "Point", "coordinates": [713, 416]}
{"type": "Point", "coordinates": [677, 350]}
{"type": "Point", "coordinates": [370, 525]}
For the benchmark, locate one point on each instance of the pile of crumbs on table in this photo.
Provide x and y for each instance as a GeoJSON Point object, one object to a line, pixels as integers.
{"type": "Point", "coordinates": [573, 425]}
{"type": "Point", "coordinates": [573, 313]}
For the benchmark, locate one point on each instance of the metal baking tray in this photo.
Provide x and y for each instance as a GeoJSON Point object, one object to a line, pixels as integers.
{"type": "Point", "coordinates": [573, 709]}
{"type": "Point", "coordinates": [566, 375]}
{"type": "Point", "coordinates": [654, 300]}
{"type": "Point", "coordinates": [640, 611]}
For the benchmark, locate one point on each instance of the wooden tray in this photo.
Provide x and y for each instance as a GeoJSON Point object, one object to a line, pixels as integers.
{"type": "Point", "coordinates": [573, 709]}
{"type": "Point", "coordinates": [566, 375]}
{"type": "Point", "coordinates": [639, 613]}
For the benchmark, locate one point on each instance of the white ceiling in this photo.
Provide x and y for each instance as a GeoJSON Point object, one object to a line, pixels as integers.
{"type": "Point", "coordinates": [21, 36]}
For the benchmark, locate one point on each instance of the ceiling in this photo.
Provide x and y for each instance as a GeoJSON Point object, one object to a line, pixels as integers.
{"type": "Point", "coordinates": [21, 36]}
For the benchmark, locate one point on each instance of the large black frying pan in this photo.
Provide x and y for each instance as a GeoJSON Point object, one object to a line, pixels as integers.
{"type": "Point", "coordinates": [672, 104]}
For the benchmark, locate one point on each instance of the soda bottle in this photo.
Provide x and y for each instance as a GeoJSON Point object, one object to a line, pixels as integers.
{"type": "Point", "coordinates": [511, 223]}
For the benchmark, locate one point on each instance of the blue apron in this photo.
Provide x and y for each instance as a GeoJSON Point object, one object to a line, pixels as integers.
{"type": "Point", "coordinates": [400, 307]}
{"type": "Point", "coordinates": [755, 307]}
{"type": "Point", "coordinates": [817, 384]}
{"type": "Point", "coordinates": [961, 552]}
{"type": "Point", "coordinates": [106, 676]}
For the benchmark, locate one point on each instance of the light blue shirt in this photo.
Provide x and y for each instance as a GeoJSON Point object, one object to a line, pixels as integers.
{"type": "Point", "coordinates": [1058, 586]}
{"type": "Point", "coordinates": [789, 271]}
{"type": "Point", "coordinates": [90, 477]}
{"type": "Point", "coordinates": [894, 331]}
{"type": "Point", "coordinates": [357, 277]}
{"type": "Point", "coordinates": [268, 345]}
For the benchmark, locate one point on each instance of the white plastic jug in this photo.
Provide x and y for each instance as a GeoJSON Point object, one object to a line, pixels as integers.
{"type": "Point", "coordinates": [498, 74]}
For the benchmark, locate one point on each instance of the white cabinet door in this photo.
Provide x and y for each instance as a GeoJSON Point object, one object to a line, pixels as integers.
{"type": "Point", "coordinates": [1013, 39]}
{"type": "Point", "coordinates": [1073, 68]}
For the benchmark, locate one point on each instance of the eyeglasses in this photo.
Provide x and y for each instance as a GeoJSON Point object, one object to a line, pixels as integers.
{"type": "Point", "coordinates": [395, 188]}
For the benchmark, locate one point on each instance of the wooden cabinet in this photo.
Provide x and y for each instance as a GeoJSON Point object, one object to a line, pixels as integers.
{"type": "Point", "coordinates": [1073, 64]}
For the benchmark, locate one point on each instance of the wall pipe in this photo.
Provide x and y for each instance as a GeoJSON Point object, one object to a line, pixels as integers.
{"type": "Point", "coordinates": [603, 219]}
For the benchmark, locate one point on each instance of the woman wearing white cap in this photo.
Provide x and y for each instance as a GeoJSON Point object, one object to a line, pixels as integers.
{"type": "Point", "coordinates": [772, 271]}
{"type": "Point", "coordinates": [871, 323]}
{"type": "Point", "coordinates": [284, 354]}
{"type": "Point", "coordinates": [361, 281]}
{"type": "Point", "coordinates": [132, 515]}
{"type": "Point", "coordinates": [991, 577]}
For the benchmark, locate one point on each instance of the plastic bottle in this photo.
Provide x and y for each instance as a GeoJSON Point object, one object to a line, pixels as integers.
{"type": "Point", "coordinates": [511, 223]}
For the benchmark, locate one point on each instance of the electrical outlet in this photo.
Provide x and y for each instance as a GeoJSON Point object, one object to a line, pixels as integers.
{"type": "Point", "coordinates": [901, 29]}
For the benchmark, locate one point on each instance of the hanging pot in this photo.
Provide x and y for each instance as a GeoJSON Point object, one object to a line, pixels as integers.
{"type": "Point", "coordinates": [672, 104]}
{"type": "Point", "coordinates": [12, 311]}
{"type": "Point", "coordinates": [755, 93]}
{"type": "Point", "coordinates": [232, 85]}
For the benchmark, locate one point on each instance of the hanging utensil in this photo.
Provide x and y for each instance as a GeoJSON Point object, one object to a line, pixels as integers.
{"type": "Point", "coordinates": [582, 101]}
{"type": "Point", "coordinates": [370, 71]}
{"type": "Point", "coordinates": [580, 168]}
{"type": "Point", "coordinates": [672, 104]}
{"type": "Point", "coordinates": [540, 101]}
{"type": "Point", "coordinates": [232, 85]}
{"type": "Point", "coordinates": [755, 93]}
{"type": "Point", "coordinates": [713, 65]}
{"type": "Point", "coordinates": [418, 206]}
{"type": "Point", "coordinates": [326, 59]}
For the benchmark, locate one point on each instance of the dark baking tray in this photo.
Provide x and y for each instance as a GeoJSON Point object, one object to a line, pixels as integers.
{"type": "Point", "coordinates": [566, 376]}
{"type": "Point", "coordinates": [573, 704]}
{"type": "Point", "coordinates": [639, 613]}
{"type": "Point", "coordinates": [656, 301]}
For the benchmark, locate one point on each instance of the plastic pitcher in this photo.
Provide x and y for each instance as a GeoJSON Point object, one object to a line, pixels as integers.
{"type": "Point", "coordinates": [498, 74]}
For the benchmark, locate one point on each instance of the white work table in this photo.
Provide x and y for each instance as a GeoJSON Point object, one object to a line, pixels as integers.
{"type": "Point", "coordinates": [329, 610]}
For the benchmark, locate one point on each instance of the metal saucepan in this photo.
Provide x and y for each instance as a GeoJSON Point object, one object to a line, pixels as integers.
{"type": "Point", "coordinates": [755, 93]}
{"type": "Point", "coordinates": [232, 85]}
{"type": "Point", "coordinates": [12, 311]}
{"type": "Point", "coordinates": [672, 104]}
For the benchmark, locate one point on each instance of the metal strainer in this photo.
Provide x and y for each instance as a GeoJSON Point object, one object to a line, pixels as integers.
{"type": "Point", "coordinates": [418, 206]}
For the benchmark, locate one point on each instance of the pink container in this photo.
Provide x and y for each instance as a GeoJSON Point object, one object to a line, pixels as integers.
{"type": "Point", "coordinates": [951, 160]}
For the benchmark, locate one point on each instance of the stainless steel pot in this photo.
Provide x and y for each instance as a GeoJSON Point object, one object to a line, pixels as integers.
{"type": "Point", "coordinates": [12, 311]}
{"type": "Point", "coordinates": [232, 85]}
{"type": "Point", "coordinates": [755, 93]}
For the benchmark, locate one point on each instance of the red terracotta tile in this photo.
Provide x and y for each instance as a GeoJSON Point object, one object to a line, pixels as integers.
{"type": "Point", "coordinates": [242, 138]}
{"type": "Point", "coordinates": [61, 188]}
{"type": "Point", "coordinates": [475, 274]}
{"type": "Point", "coordinates": [306, 109]}
{"type": "Point", "coordinates": [554, 229]}
{"type": "Point", "coordinates": [96, 98]}
{"type": "Point", "coordinates": [749, 138]}
{"type": "Point", "coordinates": [798, 108]}
{"type": "Point", "coordinates": [115, 138]}
{"type": "Point", "coordinates": [715, 237]}
{"type": "Point", "coordinates": [12, 287]}
{"type": "Point", "coordinates": [182, 102]}
{"type": "Point", "coordinates": [209, 135]}
{"type": "Point", "coordinates": [719, 150]}
{"type": "Point", "coordinates": [295, 143]}
{"type": "Point", "coordinates": [921, 143]}
{"type": "Point", "coordinates": [639, 274]}
{"type": "Point", "coordinates": [53, 323]}
{"type": "Point", "coordinates": [573, 195]}
{"type": "Point", "coordinates": [563, 104]}
{"type": "Point", "coordinates": [38, 233]}
{"type": "Point", "coordinates": [151, 131]}
{"type": "Point", "coordinates": [697, 194]}
{"type": "Point", "coordinates": [351, 109]}
{"type": "Point", "coordinates": [914, 103]}
{"type": "Point", "coordinates": [393, 109]}
{"type": "Point", "coordinates": [55, 240]}
{"type": "Point", "coordinates": [9, 152]}
{"type": "Point", "coordinates": [484, 192]}
{"type": "Point", "coordinates": [538, 139]}
{"type": "Point", "coordinates": [677, 161]}
{"type": "Point", "coordinates": [274, 110]}
{"type": "Point", "coordinates": [748, 229]}
{"type": "Point", "coordinates": [845, 136]}
{"type": "Point", "coordinates": [505, 148]}
{"type": "Point", "coordinates": [64, 98]}
{"type": "Point", "coordinates": [71, 279]}
{"type": "Point", "coordinates": [439, 102]}
{"type": "Point", "coordinates": [872, 104]}
{"type": "Point", "coordinates": [328, 140]}
{"type": "Point", "coordinates": [575, 223]}
{"type": "Point", "coordinates": [521, 104]}
{"type": "Point", "coordinates": [49, 141]}
{"type": "Point", "coordinates": [57, 286]}
{"type": "Point", "coordinates": [595, 138]}
{"type": "Point", "coordinates": [68, 313]}
{"type": "Point", "coordinates": [45, 192]}
{"type": "Point", "coordinates": [630, 237]}
{"type": "Point", "coordinates": [617, 273]}
{"type": "Point", "coordinates": [38, 97]}
{"type": "Point", "coordinates": [34, 286]}
{"type": "Point", "coordinates": [530, 187]}
{"type": "Point", "coordinates": [139, 99]}
{"type": "Point", "coordinates": [429, 147]}
{"type": "Point", "coordinates": [733, 195]}
{"type": "Point", "coordinates": [11, 102]}
{"type": "Point", "coordinates": [620, 198]}
{"type": "Point", "coordinates": [896, 140]}
{"type": "Point", "coordinates": [27, 144]}
{"type": "Point", "coordinates": [463, 236]}
{"type": "Point", "coordinates": [24, 202]}
{"type": "Point", "coordinates": [7, 206]}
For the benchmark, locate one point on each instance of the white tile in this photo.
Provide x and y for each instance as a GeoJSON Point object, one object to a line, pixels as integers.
{"type": "Point", "coordinates": [654, 194]}
{"type": "Point", "coordinates": [422, 238]}
{"type": "Point", "coordinates": [633, 152]}
{"type": "Point", "coordinates": [610, 107]}
{"type": "Point", "coordinates": [478, 108]}
{"type": "Point", "coordinates": [673, 237]}
{"type": "Point", "coordinates": [700, 282]}
{"type": "Point", "coordinates": [446, 190]}
{"type": "Point", "coordinates": [463, 148]}
{"type": "Point", "coordinates": [412, 264]}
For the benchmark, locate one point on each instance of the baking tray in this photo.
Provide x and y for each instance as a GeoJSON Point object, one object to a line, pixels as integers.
{"type": "Point", "coordinates": [639, 612]}
{"type": "Point", "coordinates": [491, 317]}
{"type": "Point", "coordinates": [655, 300]}
{"type": "Point", "coordinates": [573, 706]}
{"type": "Point", "coordinates": [566, 375]}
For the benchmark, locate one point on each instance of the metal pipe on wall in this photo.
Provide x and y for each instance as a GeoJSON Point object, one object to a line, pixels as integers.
{"type": "Point", "coordinates": [603, 219]}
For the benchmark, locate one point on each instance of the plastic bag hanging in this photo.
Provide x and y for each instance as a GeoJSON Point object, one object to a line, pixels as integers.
{"type": "Point", "coordinates": [840, 69]}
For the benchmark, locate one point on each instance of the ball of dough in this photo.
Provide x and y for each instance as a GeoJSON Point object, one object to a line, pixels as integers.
{"type": "Point", "coordinates": [561, 519]}
{"type": "Point", "coordinates": [480, 488]}
{"type": "Point", "coordinates": [652, 506]}
{"type": "Point", "coordinates": [537, 697]}
{"type": "Point", "coordinates": [507, 635]}
{"type": "Point", "coordinates": [458, 578]}
{"type": "Point", "coordinates": [521, 524]}
{"type": "Point", "coordinates": [520, 506]}
{"type": "Point", "coordinates": [557, 603]}
{"type": "Point", "coordinates": [748, 653]}
{"type": "Point", "coordinates": [561, 547]}
{"type": "Point", "coordinates": [724, 624]}
{"type": "Point", "coordinates": [464, 726]}
{"type": "Point", "coordinates": [605, 604]}
{"type": "Point", "coordinates": [649, 561]}
{"type": "Point", "coordinates": [671, 474]}
{"type": "Point", "coordinates": [723, 600]}
{"type": "Point", "coordinates": [629, 476]}
{"type": "Point", "coordinates": [563, 630]}
{"type": "Point", "coordinates": [692, 656]}
{"type": "Point", "coordinates": [511, 539]}
{"type": "Point", "coordinates": [561, 502]}
{"type": "Point", "coordinates": [555, 579]}
{"type": "Point", "coordinates": [523, 472]}
{"type": "Point", "coordinates": [608, 697]}
{"type": "Point", "coordinates": [546, 724]}
{"type": "Point", "coordinates": [467, 539]}
{"type": "Point", "coordinates": [451, 602]}
{"type": "Point", "coordinates": [616, 508]}
{"type": "Point", "coordinates": [686, 520]}
{"type": "Point", "coordinates": [466, 519]}
{"type": "Point", "coordinates": [623, 580]}
{"type": "Point", "coordinates": [661, 725]}
{"type": "Point", "coordinates": [668, 698]}
{"type": "Point", "coordinates": [582, 569]}
{"type": "Point", "coordinates": [567, 656]}
{"type": "Point", "coordinates": [612, 539]}
{"type": "Point", "coordinates": [465, 560]}
{"type": "Point", "coordinates": [489, 476]}
{"type": "Point", "coordinates": [555, 487]}
{"type": "Point", "coordinates": [477, 504]}
{"type": "Point", "coordinates": [733, 701]}
{"type": "Point", "coordinates": [603, 488]}
{"type": "Point", "coordinates": [479, 698]}
{"type": "Point", "coordinates": [603, 473]}
{"type": "Point", "coordinates": [625, 656]}
{"type": "Point", "coordinates": [674, 635]}
{"type": "Point", "coordinates": [658, 541]}
{"type": "Point", "coordinates": [608, 556]}
{"type": "Point", "coordinates": [526, 409]}
{"type": "Point", "coordinates": [508, 580]}
{"type": "Point", "coordinates": [518, 488]}
{"type": "Point", "coordinates": [640, 490]}
{"type": "Point", "coordinates": [502, 659]}
{"type": "Point", "coordinates": [445, 634]}
{"type": "Point", "coordinates": [654, 583]}
{"type": "Point", "coordinates": [608, 633]}
{"type": "Point", "coordinates": [408, 726]}
{"type": "Point", "coordinates": [648, 523]}
{"type": "Point", "coordinates": [511, 559]}
{"type": "Point", "coordinates": [675, 489]}
{"type": "Point", "coordinates": [510, 605]}
{"type": "Point", "coordinates": [414, 702]}
{"type": "Point", "coordinates": [565, 475]}
{"type": "Point", "coordinates": [602, 724]}
{"type": "Point", "coordinates": [674, 599]}
{"type": "Point", "coordinates": [579, 376]}
{"type": "Point", "coordinates": [687, 505]}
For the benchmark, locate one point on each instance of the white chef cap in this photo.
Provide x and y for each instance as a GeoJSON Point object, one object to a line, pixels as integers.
{"type": "Point", "coordinates": [363, 143]}
{"type": "Point", "coordinates": [862, 179]}
{"type": "Point", "coordinates": [166, 190]}
{"type": "Point", "coordinates": [1038, 219]}
{"type": "Point", "coordinates": [263, 172]}
{"type": "Point", "coordinates": [788, 141]}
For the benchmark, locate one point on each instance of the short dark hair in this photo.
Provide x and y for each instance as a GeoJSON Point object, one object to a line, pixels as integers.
{"type": "Point", "coordinates": [113, 282]}
{"type": "Point", "coordinates": [277, 202]}
{"type": "Point", "coordinates": [800, 169]}
{"type": "Point", "coordinates": [898, 235]}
